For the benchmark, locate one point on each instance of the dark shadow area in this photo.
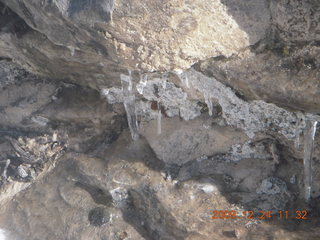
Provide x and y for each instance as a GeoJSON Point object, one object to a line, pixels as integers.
{"type": "Point", "coordinates": [141, 212]}
{"type": "Point", "coordinates": [132, 151]}
{"type": "Point", "coordinates": [98, 195]}
{"type": "Point", "coordinates": [102, 126]}
{"type": "Point", "coordinates": [10, 22]}
{"type": "Point", "coordinates": [253, 17]}
{"type": "Point", "coordinates": [140, 208]}
{"type": "Point", "coordinates": [99, 8]}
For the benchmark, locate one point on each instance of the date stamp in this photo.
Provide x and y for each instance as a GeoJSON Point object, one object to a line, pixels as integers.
{"type": "Point", "coordinates": [262, 215]}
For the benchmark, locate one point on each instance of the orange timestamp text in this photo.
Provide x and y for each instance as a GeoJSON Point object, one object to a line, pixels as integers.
{"type": "Point", "coordinates": [262, 215]}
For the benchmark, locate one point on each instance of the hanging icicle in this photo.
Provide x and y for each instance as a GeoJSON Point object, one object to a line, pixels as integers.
{"type": "Point", "coordinates": [187, 82]}
{"type": "Point", "coordinates": [208, 101]}
{"type": "Point", "coordinates": [184, 80]}
{"type": "Point", "coordinates": [4, 173]}
{"type": "Point", "coordinates": [142, 84]}
{"type": "Point", "coordinates": [129, 104]}
{"type": "Point", "coordinates": [309, 135]}
{"type": "Point", "coordinates": [297, 143]}
{"type": "Point", "coordinates": [72, 50]}
{"type": "Point", "coordinates": [159, 115]}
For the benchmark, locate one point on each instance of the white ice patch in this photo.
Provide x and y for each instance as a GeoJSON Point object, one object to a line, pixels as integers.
{"type": "Point", "coordinates": [3, 235]}
{"type": "Point", "coordinates": [202, 158]}
{"type": "Point", "coordinates": [253, 116]}
{"type": "Point", "coordinates": [142, 84]}
{"type": "Point", "coordinates": [42, 121]}
{"type": "Point", "coordinates": [72, 50]}
{"type": "Point", "coordinates": [113, 95]}
{"type": "Point", "coordinates": [208, 101]}
{"type": "Point", "coordinates": [159, 119]}
{"type": "Point", "coordinates": [208, 188]}
{"type": "Point", "coordinates": [310, 132]}
{"type": "Point", "coordinates": [173, 99]}
{"type": "Point", "coordinates": [129, 103]}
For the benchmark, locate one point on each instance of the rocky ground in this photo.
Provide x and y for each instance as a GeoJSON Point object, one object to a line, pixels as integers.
{"type": "Point", "coordinates": [70, 170]}
{"type": "Point", "coordinates": [134, 120]}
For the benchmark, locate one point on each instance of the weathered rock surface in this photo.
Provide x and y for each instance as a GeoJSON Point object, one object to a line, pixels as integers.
{"type": "Point", "coordinates": [36, 128]}
{"type": "Point", "coordinates": [287, 75]}
{"type": "Point", "coordinates": [191, 140]}
{"type": "Point", "coordinates": [151, 36]}
{"type": "Point", "coordinates": [161, 186]}
{"type": "Point", "coordinates": [216, 94]}
{"type": "Point", "coordinates": [91, 43]}
{"type": "Point", "coordinates": [126, 187]}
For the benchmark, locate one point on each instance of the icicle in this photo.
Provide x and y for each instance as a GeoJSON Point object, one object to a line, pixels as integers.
{"type": "Point", "coordinates": [142, 84]}
{"type": "Point", "coordinates": [72, 50]}
{"type": "Point", "coordinates": [159, 119]}
{"type": "Point", "coordinates": [208, 101]}
{"type": "Point", "coordinates": [129, 104]}
{"type": "Point", "coordinates": [187, 82]}
{"type": "Point", "coordinates": [307, 160]}
{"type": "Point", "coordinates": [184, 80]}
{"type": "Point", "coordinates": [298, 131]}
{"type": "Point", "coordinates": [297, 141]}
{"type": "Point", "coordinates": [164, 77]}
{"type": "Point", "coordinates": [164, 84]}
{"type": "Point", "coordinates": [4, 174]}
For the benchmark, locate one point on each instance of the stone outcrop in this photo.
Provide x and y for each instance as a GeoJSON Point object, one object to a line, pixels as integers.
{"type": "Point", "coordinates": [217, 95]}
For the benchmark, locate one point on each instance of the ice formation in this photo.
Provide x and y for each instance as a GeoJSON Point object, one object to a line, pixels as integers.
{"type": "Point", "coordinates": [129, 103]}
{"type": "Point", "coordinates": [22, 172]}
{"type": "Point", "coordinates": [297, 143]}
{"type": "Point", "coordinates": [252, 117]}
{"type": "Point", "coordinates": [272, 185]}
{"type": "Point", "coordinates": [113, 95]}
{"type": "Point", "coordinates": [72, 50]}
{"type": "Point", "coordinates": [159, 119]}
{"type": "Point", "coordinates": [142, 84]}
{"type": "Point", "coordinates": [239, 152]}
{"type": "Point", "coordinates": [173, 99]}
{"type": "Point", "coordinates": [208, 101]}
{"type": "Point", "coordinates": [184, 80]}
{"type": "Point", "coordinates": [4, 173]}
{"type": "Point", "coordinates": [2, 235]}
{"type": "Point", "coordinates": [309, 135]}
{"type": "Point", "coordinates": [187, 82]}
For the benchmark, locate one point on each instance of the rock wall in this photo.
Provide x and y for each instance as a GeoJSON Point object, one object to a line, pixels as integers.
{"type": "Point", "coordinates": [218, 96]}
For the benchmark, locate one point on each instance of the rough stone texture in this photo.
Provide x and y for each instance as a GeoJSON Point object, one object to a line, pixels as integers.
{"type": "Point", "coordinates": [296, 20]}
{"type": "Point", "coordinates": [91, 43]}
{"type": "Point", "coordinates": [161, 186]}
{"type": "Point", "coordinates": [144, 206]}
{"type": "Point", "coordinates": [153, 35]}
{"type": "Point", "coordinates": [181, 142]}
{"type": "Point", "coordinates": [221, 118]}
{"type": "Point", "coordinates": [179, 35]}
{"type": "Point", "coordinates": [285, 74]}
{"type": "Point", "coordinates": [35, 125]}
{"type": "Point", "coordinates": [252, 117]}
